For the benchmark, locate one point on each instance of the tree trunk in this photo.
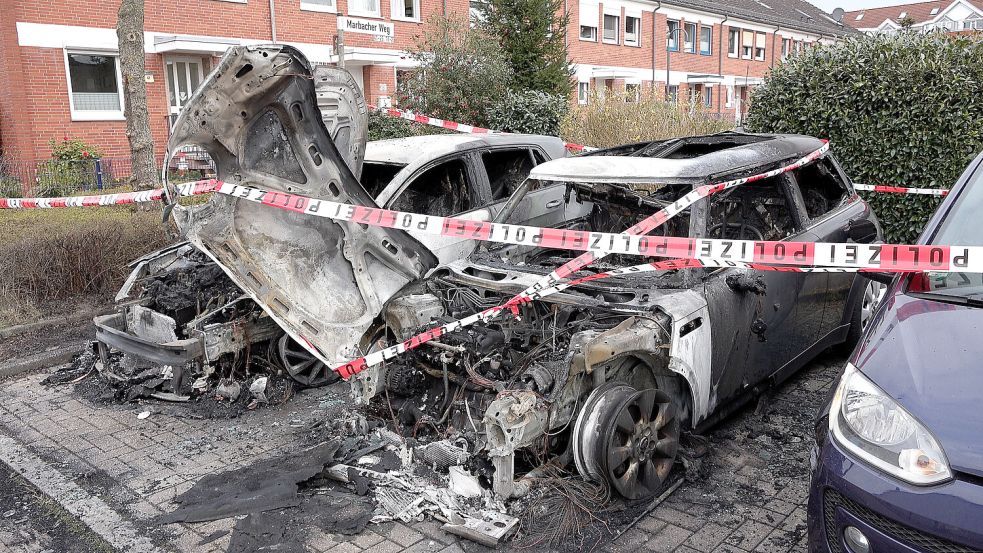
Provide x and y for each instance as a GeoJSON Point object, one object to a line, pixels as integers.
{"type": "Point", "coordinates": [129, 30]}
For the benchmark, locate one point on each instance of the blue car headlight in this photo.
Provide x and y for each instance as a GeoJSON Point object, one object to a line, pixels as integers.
{"type": "Point", "coordinates": [872, 425]}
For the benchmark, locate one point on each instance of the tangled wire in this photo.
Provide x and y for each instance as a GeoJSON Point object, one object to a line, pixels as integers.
{"type": "Point", "coordinates": [567, 511]}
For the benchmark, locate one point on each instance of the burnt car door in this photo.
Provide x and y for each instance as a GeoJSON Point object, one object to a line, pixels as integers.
{"type": "Point", "coordinates": [832, 217]}
{"type": "Point", "coordinates": [449, 186]}
{"type": "Point", "coordinates": [761, 320]}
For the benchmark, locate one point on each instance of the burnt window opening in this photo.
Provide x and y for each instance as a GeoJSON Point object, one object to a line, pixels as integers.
{"type": "Point", "coordinates": [506, 170]}
{"type": "Point", "coordinates": [443, 190]}
{"type": "Point", "coordinates": [376, 176]}
{"type": "Point", "coordinates": [823, 189]}
{"type": "Point", "coordinates": [758, 211]}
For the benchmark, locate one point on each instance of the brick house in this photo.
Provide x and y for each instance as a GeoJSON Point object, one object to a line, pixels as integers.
{"type": "Point", "coordinates": [712, 51]}
{"type": "Point", "coordinates": [952, 16]}
{"type": "Point", "coordinates": [59, 75]}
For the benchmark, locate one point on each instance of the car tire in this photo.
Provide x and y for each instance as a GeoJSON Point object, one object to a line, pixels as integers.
{"type": "Point", "coordinates": [863, 313]}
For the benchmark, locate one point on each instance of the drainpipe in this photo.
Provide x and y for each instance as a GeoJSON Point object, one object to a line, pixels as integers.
{"type": "Point", "coordinates": [654, 44]}
{"type": "Point", "coordinates": [720, 63]}
{"type": "Point", "coordinates": [273, 20]}
{"type": "Point", "coordinates": [566, 32]}
{"type": "Point", "coordinates": [773, 46]}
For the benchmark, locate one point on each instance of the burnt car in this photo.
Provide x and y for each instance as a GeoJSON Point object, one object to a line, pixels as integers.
{"type": "Point", "coordinates": [604, 376]}
{"type": "Point", "coordinates": [178, 308]}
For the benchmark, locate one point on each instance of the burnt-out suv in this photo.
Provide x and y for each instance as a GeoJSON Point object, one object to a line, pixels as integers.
{"type": "Point", "coordinates": [608, 373]}
{"type": "Point", "coordinates": [603, 376]}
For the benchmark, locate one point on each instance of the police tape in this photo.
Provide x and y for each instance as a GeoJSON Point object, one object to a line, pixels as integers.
{"type": "Point", "coordinates": [459, 127]}
{"type": "Point", "coordinates": [901, 189]}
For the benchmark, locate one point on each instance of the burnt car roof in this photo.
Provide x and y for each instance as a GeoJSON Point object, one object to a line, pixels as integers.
{"type": "Point", "coordinates": [415, 148]}
{"type": "Point", "coordinates": [696, 158]}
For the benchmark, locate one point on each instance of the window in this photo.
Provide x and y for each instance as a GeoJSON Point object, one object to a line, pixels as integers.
{"type": "Point", "coordinates": [786, 47]}
{"type": "Point", "coordinates": [376, 176]}
{"type": "Point", "coordinates": [672, 40]}
{"type": "Point", "coordinates": [611, 24]}
{"type": "Point", "coordinates": [506, 170]}
{"type": "Point", "coordinates": [822, 187]}
{"type": "Point", "coordinates": [583, 92]}
{"type": "Point", "coordinates": [443, 190]}
{"type": "Point", "coordinates": [759, 212]}
{"type": "Point", "coordinates": [708, 96]}
{"type": "Point", "coordinates": [706, 39]}
{"type": "Point", "coordinates": [747, 44]}
{"type": "Point", "coordinates": [673, 93]}
{"type": "Point", "coordinates": [632, 91]}
{"type": "Point", "coordinates": [733, 43]}
{"type": "Point", "coordinates": [689, 38]}
{"type": "Point", "coordinates": [406, 9]}
{"type": "Point", "coordinates": [633, 34]}
{"type": "Point", "coordinates": [93, 86]}
{"type": "Point", "coordinates": [364, 7]}
{"type": "Point", "coordinates": [318, 5]}
{"type": "Point", "coordinates": [588, 20]}
{"type": "Point", "coordinates": [759, 46]}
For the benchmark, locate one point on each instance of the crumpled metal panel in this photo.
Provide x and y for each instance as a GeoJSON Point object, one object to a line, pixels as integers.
{"type": "Point", "coordinates": [323, 281]}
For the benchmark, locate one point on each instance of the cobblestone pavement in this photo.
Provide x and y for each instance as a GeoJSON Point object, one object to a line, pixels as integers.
{"type": "Point", "coordinates": [752, 497]}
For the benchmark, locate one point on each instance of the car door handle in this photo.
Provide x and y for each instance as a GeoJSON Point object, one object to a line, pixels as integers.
{"type": "Point", "coordinates": [553, 203]}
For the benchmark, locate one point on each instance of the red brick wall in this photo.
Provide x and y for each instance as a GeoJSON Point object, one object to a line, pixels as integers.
{"type": "Point", "coordinates": [377, 81]}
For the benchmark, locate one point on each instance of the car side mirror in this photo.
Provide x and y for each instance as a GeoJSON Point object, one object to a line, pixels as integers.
{"type": "Point", "coordinates": [883, 278]}
{"type": "Point", "coordinates": [862, 230]}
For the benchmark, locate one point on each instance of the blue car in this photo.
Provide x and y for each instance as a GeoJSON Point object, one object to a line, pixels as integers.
{"type": "Point", "coordinates": [898, 464]}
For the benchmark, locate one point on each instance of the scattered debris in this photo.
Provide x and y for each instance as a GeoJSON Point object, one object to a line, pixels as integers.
{"type": "Point", "coordinates": [144, 415]}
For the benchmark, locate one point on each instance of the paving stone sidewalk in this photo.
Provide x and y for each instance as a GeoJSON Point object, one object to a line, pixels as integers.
{"type": "Point", "coordinates": [753, 498]}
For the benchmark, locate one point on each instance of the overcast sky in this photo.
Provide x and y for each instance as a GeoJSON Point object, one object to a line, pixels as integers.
{"type": "Point", "coordinates": [850, 5]}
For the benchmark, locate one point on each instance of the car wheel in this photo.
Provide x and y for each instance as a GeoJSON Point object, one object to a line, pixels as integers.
{"type": "Point", "coordinates": [304, 367]}
{"type": "Point", "coordinates": [628, 438]}
{"type": "Point", "coordinates": [864, 313]}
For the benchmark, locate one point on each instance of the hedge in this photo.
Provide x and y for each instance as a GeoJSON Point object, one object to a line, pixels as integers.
{"type": "Point", "coordinates": [902, 110]}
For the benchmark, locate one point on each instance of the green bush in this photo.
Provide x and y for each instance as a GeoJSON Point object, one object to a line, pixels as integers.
{"type": "Point", "coordinates": [530, 112]}
{"type": "Point", "coordinates": [902, 110]}
{"type": "Point", "coordinates": [622, 118]}
{"type": "Point", "coordinates": [461, 73]}
{"type": "Point", "coordinates": [382, 126]}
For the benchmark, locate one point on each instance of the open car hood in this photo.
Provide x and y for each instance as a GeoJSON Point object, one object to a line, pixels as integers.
{"type": "Point", "coordinates": [258, 116]}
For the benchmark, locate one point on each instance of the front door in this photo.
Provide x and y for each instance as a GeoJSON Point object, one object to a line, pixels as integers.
{"type": "Point", "coordinates": [184, 75]}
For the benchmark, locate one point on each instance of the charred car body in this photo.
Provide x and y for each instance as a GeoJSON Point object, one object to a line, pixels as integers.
{"type": "Point", "coordinates": [602, 376]}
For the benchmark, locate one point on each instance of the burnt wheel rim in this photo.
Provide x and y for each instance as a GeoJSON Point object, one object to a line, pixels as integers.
{"type": "Point", "coordinates": [302, 366]}
{"type": "Point", "coordinates": [643, 438]}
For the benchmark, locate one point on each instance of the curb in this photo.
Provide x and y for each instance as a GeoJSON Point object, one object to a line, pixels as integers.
{"type": "Point", "coordinates": [44, 359]}
{"type": "Point", "coordinates": [53, 321]}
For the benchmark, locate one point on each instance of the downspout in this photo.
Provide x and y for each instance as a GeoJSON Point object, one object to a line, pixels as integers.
{"type": "Point", "coordinates": [720, 63]}
{"type": "Point", "coordinates": [566, 32]}
{"type": "Point", "coordinates": [773, 48]}
{"type": "Point", "coordinates": [655, 44]}
{"type": "Point", "coordinates": [273, 20]}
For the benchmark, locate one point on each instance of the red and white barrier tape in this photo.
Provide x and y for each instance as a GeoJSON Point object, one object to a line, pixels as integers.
{"type": "Point", "coordinates": [782, 256]}
{"type": "Point", "coordinates": [901, 189]}
{"type": "Point", "coordinates": [459, 127]}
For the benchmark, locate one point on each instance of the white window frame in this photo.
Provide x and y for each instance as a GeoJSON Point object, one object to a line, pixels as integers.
{"type": "Point", "coordinates": [94, 115]}
{"type": "Point", "coordinates": [396, 7]}
{"type": "Point", "coordinates": [637, 40]}
{"type": "Point", "coordinates": [593, 37]}
{"type": "Point", "coordinates": [764, 49]}
{"type": "Point", "coordinates": [733, 50]}
{"type": "Point", "coordinates": [693, 39]}
{"type": "Point", "coordinates": [672, 35]}
{"type": "Point", "coordinates": [583, 92]}
{"type": "Point", "coordinates": [617, 28]}
{"type": "Point", "coordinates": [747, 50]}
{"type": "Point", "coordinates": [709, 51]}
{"type": "Point", "coordinates": [309, 7]}
{"type": "Point", "coordinates": [359, 13]}
{"type": "Point", "coordinates": [708, 96]}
